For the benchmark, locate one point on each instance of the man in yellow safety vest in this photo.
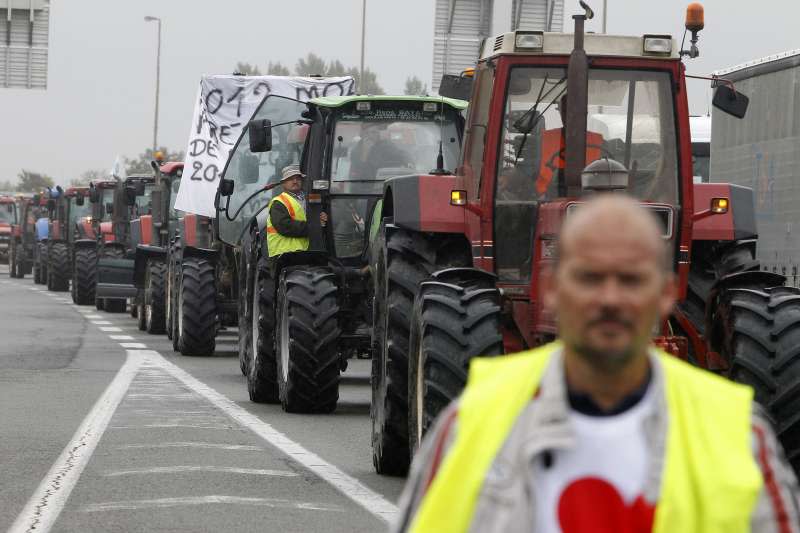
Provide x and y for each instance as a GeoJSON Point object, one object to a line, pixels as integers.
{"type": "Point", "coordinates": [287, 227]}
{"type": "Point", "coordinates": [601, 432]}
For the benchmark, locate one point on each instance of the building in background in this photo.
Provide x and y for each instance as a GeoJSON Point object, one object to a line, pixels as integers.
{"type": "Point", "coordinates": [461, 25]}
{"type": "Point", "coordinates": [24, 40]}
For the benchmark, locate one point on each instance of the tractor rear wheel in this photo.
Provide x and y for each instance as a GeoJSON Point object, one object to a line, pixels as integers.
{"type": "Point", "coordinates": [456, 317]}
{"type": "Point", "coordinates": [85, 275]}
{"type": "Point", "coordinates": [245, 317]}
{"type": "Point", "coordinates": [757, 332]}
{"type": "Point", "coordinates": [262, 370]}
{"type": "Point", "coordinates": [13, 267]}
{"type": "Point", "coordinates": [307, 340]}
{"type": "Point", "coordinates": [137, 309]}
{"type": "Point", "coordinates": [59, 268]}
{"type": "Point", "coordinates": [197, 307]}
{"type": "Point", "coordinates": [154, 294]}
{"type": "Point", "coordinates": [172, 272]}
{"type": "Point", "coordinates": [40, 265]}
{"type": "Point", "coordinates": [406, 259]}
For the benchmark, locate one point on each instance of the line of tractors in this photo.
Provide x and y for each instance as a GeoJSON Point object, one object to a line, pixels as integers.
{"type": "Point", "coordinates": [440, 226]}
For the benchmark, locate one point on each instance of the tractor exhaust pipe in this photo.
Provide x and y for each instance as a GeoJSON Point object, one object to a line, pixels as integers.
{"type": "Point", "coordinates": [577, 104]}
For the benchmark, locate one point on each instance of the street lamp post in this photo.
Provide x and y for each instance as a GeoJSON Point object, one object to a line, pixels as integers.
{"type": "Point", "coordinates": [158, 80]}
{"type": "Point", "coordinates": [363, 35]}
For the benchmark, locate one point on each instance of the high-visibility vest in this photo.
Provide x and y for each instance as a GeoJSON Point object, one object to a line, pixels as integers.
{"type": "Point", "coordinates": [553, 157]}
{"type": "Point", "coordinates": [710, 482]}
{"type": "Point", "coordinates": [280, 244]}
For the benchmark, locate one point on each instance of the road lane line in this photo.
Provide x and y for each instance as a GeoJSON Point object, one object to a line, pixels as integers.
{"type": "Point", "coordinates": [163, 503]}
{"type": "Point", "coordinates": [371, 501]}
{"type": "Point", "coordinates": [121, 337]}
{"type": "Point", "coordinates": [110, 328]}
{"type": "Point", "coordinates": [94, 315]}
{"type": "Point", "coordinates": [101, 322]}
{"type": "Point", "coordinates": [203, 468]}
{"type": "Point", "coordinates": [204, 445]}
{"type": "Point", "coordinates": [48, 500]}
{"type": "Point", "coordinates": [138, 345]}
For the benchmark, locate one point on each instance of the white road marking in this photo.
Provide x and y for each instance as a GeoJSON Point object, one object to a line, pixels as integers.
{"type": "Point", "coordinates": [204, 468]}
{"type": "Point", "coordinates": [188, 426]}
{"type": "Point", "coordinates": [373, 502]}
{"type": "Point", "coordinates": [94, 315]}
{"type": "Point", "coordinates": [133, 345]}
{"type": "Point", "coordinates": [162, 503]}
{"type": "Point", "coordinates": [120, 337]}
{"type": "Point", "coordinates": [110, 328]}
{"type": "Point", "coordinates": [204, 445]}
{"type": "Point", "coordinates": [48, 500]}
{"type": "Point", "coordinates": [101, 322]}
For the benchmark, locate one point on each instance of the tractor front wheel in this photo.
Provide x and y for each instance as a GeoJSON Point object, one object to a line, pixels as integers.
{"type": "Point", "coordinates": [262, 369]}
{"type": "Point", "coordinates": [59, 268]}
{"type": "Point", "coordinates": [757, 332]}
{"type": "Point", "coordinates": [84, 276]}
{"type": "Point", "coordinates": [197, 307]}
{"type": "Point", "coordinates": [453, 321]}
{"type": "Point", "coordinates": [307, 339]}
{"type": "Point", "coordinates": [154, 295]}
{"type": "Point", "coordinates": [114, 305]}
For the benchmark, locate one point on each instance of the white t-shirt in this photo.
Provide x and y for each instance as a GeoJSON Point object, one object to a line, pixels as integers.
{"type": "Point", "coordinates": [597, 486]}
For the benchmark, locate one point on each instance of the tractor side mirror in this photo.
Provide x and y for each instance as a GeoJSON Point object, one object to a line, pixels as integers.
{"type": "Point", "coordinates": [260, 133]}
{"type": "Point", "coordinates": [459, 87]}
{"type": "Point", "coordinates": [109, 208]}
{"type": "Point", "coordinates": [130, 195]}
{"type": "Point", "coordinates": [225, 187]}
{"type": "Point", "coordinates": [10, 208]}
{"type": "Point", "coordinates": [730, 101]}
{"type": "Point", "coordinates": [94, 196]}
{"type": "Point", "coordinates": [79, 200]}
{"type": "Point", "coordinates": [248, 169]}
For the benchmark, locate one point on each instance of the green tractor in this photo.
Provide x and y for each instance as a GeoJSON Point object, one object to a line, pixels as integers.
{"type": "Point", "coordinates": [309, 311]}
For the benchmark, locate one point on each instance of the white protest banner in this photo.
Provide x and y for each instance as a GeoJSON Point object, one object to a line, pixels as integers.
{"type": "Point", "coordinates": [224, 105]}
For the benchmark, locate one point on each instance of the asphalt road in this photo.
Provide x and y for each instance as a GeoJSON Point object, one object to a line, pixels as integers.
{"type": "Point", "coordinates": [105, 428]}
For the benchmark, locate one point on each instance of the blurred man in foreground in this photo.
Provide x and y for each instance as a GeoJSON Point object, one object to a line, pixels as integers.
{"type": "Point", "coordinates": [601, 432]}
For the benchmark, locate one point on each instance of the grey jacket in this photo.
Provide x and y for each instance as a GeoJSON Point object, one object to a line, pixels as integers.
{"type": "Point", "coordinates": [506, 502]}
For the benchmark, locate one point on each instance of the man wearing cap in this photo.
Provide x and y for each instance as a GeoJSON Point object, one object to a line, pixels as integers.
{"type": "Point", "coordinates": [287, 228]}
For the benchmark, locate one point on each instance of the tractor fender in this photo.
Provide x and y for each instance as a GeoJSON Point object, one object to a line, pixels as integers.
{"type": "Point", "coordinates": [201, 253]}
{"type": "Point", "coordinates": [85, 243]}
{"type": "Point", "coordinates": [144, 253]}
{"type": "Point", "coordinates": [737, 224]}
{"type": "Point", "coordinates": [742, 279]}
{"type": "Point", "coordinates": [422, 203]}
{"type": "Point", "coordinates": [465, 274]}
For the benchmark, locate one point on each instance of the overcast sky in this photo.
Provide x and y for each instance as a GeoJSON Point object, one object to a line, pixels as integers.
{"type": "Point", "coordinates": [99, 103]}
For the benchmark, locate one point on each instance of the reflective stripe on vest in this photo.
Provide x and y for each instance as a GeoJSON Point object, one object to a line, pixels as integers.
{"type": "Point", "coordinates": [278, 244]}
{"type": "Point", "coordinates": [710, 481]}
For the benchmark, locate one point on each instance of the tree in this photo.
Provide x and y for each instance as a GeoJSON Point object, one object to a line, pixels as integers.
{"type": "Point", "coordinates": [33, 181]}
{"type": "Point", "coordinates": [310, 65]}
{"type": "Point", "coordinates": [336, 68]}
{"type": "Point", "coordinates": [415, 87]}
{"type": "Point", "coordinates": [277, 69]}
{"type": "Point", "coordinates": [370, 85]}
{"type": "Point", "coordinates": [246, 69]}
{"type": "Point", "coordinates": [7, 186]}
{"type": "Point", "coordinates": [141, 165]}
{"type": "Point", "coordinates": [88, 176]}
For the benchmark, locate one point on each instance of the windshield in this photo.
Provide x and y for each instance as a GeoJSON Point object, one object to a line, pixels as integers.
{"type": "Point", "coordinates": [76, 212]}
{"type": "Point", "coordinates": [630, 119]}
{"type": "Point", "coordinates": [107, 198]}
{"type": "Point", "coordinates": [144, 203]}
{"type": "Point", "coordinates": [392, 140]}
{"type": "Point", "coordinates": [251, 172]}
{"type": "Point", "coordinates": [176, 184]}
{"type": "Point", "coordinates": [8, 213]}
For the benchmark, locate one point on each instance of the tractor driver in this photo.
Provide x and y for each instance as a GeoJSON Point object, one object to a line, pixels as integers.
{"type": "Point", "coordinates": [287, 227]}
{"type": "Point", "coordinates": [374, 152]}
{"type": "Point", "coordinates": [553, 152]}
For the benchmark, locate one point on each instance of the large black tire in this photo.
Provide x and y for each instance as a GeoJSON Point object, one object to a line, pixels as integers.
{"type": "Point", "coordinates": [404, 261]}
{"type": "Point", "coordinates": [245, 316]}
{"type": "Point", "coordinates": [85, 275]}
{"type": "Point", "coordinates": [456, 317]}
{"type": "Point", "coordinates": [13, 265]}
{"type": "Point", "coordinates": [262, 371]}
{"type": "Point", "coordinates": [173, 269]}
{"type": "Point", "coordinates": [757, 332]}
{"type": "Point", "coordinates": [307, 340]}
{"type": "Point", "coordinates": [137, 309]}
{"type": "Point", "coordinates": [113, 305]}
{"type": "Point", "coordinates": [59, 267]}
{"type": "Point", "coordinates": [154, 296]}
{"type": "Point", "coordinates": [40, 264]}
{"type": "Point", "coordinates": [712, 262]}
{"type": "Point", "coordinates": [197, 307]}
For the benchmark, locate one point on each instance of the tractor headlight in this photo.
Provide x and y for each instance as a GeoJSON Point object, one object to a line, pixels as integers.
{"type": "Point", "coordinates": [660, 45]}
{"type": "Point", "coordinates": [529, 41]}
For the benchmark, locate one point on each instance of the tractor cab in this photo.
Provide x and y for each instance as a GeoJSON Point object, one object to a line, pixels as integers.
{"type": "Point", "coordinates": [77, 214]}
{"type": "Point", "coordinates": [8, 217]}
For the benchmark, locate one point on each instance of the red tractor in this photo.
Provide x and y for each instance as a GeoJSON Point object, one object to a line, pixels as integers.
{"type": "Point", "coordinates": [458, 276]}
{"type": "Point", "coordinates": [8, 216]}
{"type": "Point", "coordinates": [70, 220]}
{"type": "Point", "coordinates": [24, 243]}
